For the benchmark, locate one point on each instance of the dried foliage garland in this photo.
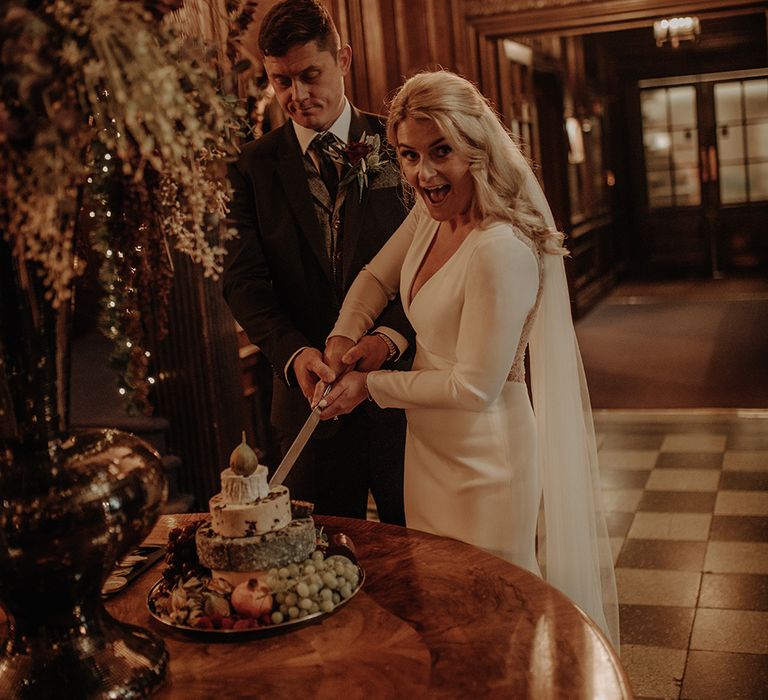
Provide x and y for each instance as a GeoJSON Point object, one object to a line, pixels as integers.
{"type": "Point", "coordinates": [105, 103]}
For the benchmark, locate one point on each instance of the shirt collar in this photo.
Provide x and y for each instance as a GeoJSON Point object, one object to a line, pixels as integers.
{"type": "Point", "coordinates": [339, 128]}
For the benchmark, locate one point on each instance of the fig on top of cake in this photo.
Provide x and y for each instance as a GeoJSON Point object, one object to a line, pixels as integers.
{"type": "Point", "coordinates": [244, 460]}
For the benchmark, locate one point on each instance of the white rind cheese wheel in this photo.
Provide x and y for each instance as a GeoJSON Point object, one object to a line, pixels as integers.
{"type": "Point", "coordinates": [236, 488]}
{"type": "Point", "coordinates": [248, 519]}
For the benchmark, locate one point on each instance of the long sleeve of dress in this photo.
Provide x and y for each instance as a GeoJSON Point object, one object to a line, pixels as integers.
{"type": "Point", "coordinates": [502, 278]}
{"type": "Point", "coordinates": [378, 282]}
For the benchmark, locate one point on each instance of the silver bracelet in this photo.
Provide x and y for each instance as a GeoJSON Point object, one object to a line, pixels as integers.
{"type": "Point", "coordinates": [391, 347]}
{"type": "Point", "coordinates": [367, 390]}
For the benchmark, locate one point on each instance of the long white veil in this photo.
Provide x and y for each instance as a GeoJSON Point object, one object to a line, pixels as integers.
{"type": "Point", "coordinates": [574, 549]}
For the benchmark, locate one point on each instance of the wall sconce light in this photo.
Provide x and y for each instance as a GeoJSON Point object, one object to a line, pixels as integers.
{"type": "Point", "coordinates": [575, 140]}
{"type": "Point", "coordinates": [675, 30]}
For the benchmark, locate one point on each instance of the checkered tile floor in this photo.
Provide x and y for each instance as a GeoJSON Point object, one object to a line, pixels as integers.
{"type": "Point", "coordinates": [686, 496]}
{"type": "Point", "coordinates": [687, 503]}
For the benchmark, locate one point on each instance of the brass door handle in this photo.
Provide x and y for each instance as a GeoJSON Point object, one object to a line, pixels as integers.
{"type": "Point", "coordinates": [713, 170]}
{"type": "Point", "coordinates": [704, 164]}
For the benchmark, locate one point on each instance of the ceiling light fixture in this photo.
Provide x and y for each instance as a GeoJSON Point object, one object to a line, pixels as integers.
{"type": "Point", "coordinates": [675, 30]}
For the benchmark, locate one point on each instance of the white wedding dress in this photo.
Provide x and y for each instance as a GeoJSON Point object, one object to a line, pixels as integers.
{"type": "Point", "coordinates": [470, 459]}
{"type": "Point", "coordinates": [478, 461]}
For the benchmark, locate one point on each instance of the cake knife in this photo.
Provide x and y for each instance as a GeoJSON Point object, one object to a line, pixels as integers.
{"type": "Point", "coordinates": [298, 444]}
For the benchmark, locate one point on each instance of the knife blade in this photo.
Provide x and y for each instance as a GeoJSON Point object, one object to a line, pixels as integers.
{"type": "Point", "coordinates": [298, 444]}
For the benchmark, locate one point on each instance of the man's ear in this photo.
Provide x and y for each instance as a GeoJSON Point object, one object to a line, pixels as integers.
{"type": "Point", "coordinates": [345, 58]}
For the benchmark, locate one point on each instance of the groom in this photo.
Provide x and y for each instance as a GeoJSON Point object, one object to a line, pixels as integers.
{"type": "Point", "coordinates": [307, 225]}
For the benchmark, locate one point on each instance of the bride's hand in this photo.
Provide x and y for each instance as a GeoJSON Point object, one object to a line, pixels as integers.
{"type": "Point", "coordinates": [348, 393]}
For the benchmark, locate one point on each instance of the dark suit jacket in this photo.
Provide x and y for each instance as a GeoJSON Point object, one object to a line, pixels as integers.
{"type": "Point", "coordinates": [279, 284]}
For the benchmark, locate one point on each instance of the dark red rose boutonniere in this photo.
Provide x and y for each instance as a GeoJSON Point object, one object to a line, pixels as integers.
{"type": "Point", "coordinates": [359, 160]}
{"type": "Point", "coordinates": [356, 151]}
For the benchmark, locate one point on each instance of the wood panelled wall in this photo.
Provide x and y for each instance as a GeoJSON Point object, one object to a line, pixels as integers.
{"type": "Point", "coordinates": [393, 39]}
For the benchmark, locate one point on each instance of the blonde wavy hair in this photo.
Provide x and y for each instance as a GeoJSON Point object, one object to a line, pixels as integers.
{"type": "Point", "coordinates": [474, 131]}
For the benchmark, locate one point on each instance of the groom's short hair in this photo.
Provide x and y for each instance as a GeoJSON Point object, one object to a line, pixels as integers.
{"type": "Point", "coordinates": [296, 22]}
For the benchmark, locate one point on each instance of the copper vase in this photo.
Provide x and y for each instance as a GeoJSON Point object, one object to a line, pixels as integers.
{"type": "Point", "coordinates": [72, 504]}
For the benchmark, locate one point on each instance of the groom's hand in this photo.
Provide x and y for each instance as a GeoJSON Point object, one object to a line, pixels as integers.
{"type": "Point", "coordinates": [335, 349]}
{"type": "Point", "coordinates": [370, 353]}
{"type": "Point", "coordinates": [309, 368]}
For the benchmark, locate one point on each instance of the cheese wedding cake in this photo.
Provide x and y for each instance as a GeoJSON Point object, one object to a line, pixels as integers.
{"type": "Point", "coordinates": [252, 529]}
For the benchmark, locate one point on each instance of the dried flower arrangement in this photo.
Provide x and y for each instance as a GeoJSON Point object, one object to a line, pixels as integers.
{"type": "Point", "coordinates": [114, 124]}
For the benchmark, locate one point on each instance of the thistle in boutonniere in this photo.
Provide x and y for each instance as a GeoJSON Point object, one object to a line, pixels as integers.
{"type": "Point", "coordinates": [359, 160]}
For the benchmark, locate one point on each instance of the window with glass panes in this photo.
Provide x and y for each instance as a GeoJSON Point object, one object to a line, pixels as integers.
{"type": "Point", "coordinates": [741, 114]}
{"type": "Point", "coordinates": [671, 146]}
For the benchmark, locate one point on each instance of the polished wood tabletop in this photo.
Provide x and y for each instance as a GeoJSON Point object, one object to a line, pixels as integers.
{"type": "Point", "coordinates": [435, 618]}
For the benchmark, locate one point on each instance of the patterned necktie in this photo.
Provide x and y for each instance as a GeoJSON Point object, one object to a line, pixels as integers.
{"type": "Point", "coordinates": [321, 145]}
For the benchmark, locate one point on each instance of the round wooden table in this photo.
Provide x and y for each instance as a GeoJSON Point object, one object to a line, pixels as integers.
{"type": "Point", "coordinates": [435, 618]}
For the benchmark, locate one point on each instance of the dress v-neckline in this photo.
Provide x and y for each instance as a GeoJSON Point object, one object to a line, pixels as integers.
{"type": "Point", "coordinates": [425, 252]}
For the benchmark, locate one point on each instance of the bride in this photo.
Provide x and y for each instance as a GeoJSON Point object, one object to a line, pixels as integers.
{"type": "Point", "coordinates": [478, 265]}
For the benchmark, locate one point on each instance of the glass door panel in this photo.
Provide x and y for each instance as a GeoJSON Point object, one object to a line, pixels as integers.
{"type": "Point", "coordinates": [730, 143]}
{"type": "Point", "coordinates": [671, 145]}
{"type": "Point", "coordinates": [756, 98]}
{"type": "Point", "coordinates": [741, 123]}
{"type": "Point", "coordinates": [758, 181]}
{"type": "Point", "coordinates": [728, 100]}
{"type": "Point", "coordinates": [757, 139]}
{"type": "Point", "coordinates": [687, 187]}
{"type": "Point", "coordinates": [705, 148]}
{"type": "Point", "coordinates": [654, 106]}
{"type": "Point", "coordinates": [733, 184]}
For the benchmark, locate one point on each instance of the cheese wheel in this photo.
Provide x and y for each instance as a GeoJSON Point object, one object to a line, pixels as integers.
{"type": "Point", "coordinates": [292, 543]}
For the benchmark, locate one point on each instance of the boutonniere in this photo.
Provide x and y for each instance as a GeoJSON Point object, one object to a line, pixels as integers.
{"type": "Point", "coordinates": [359, 160]}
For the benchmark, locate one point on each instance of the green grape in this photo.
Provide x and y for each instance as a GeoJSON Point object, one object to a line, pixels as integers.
{"type": "Point", "coordinates": [305, 603]}
{"type": "Point", "coordinates": [277, 618]}
{"type": "Point", "coordinates": [280, 597]}
{"type": "Point", "coordinates": [340, 581]}
{"type": "Point", "coordinates": [327, 605]}
{"type": "Point", "coordinates": [302, 590]}
{"type": "Point", "coordinates": [330, 580]}
{"type": "Point", "coordinates": [317, 579]}
{"type": "Point", "coordinates": [336, 598]}
{"type": "Point", "coordinates": [303, 613]}
{"type": "Point", "coordinates": [326, 594]}
{"type": "Point", "coordinates": [309, 568]}
{"type": "Point", "coordinates": [283, 572]}
{"type": "Point", "coordinates": [291, 599]}
{"type": "Point", "coordinates": [317, 556]}
{"type": "Point", "coordinates": [345, 591]}
{"type": "Point", "coordinates": [313, 589]}
{"type": "Point", "coordinates": [294, 569]}
{"type": "Point", "coordinates": [314, 607]}
{"type": "Point", "coordinates": [284, 609]}
{"type": "Point", "coordinates": [293, 612]}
